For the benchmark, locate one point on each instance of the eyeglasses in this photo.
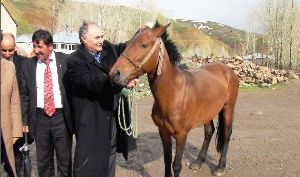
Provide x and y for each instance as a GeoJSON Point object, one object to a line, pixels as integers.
{"type": "Point", "coordinates": [7, 50]}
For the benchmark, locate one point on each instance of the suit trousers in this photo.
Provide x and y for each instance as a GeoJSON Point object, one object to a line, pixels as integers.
{"type": "Point", "coordinates": [51, 135]}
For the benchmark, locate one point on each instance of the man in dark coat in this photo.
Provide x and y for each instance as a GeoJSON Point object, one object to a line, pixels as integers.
{"type": "Point", "coordinates": [45, 103]}
{"type": "Point", "coordinates": [94, 101]}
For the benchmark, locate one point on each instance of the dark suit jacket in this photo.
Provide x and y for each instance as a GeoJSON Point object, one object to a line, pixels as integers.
{"type": "Point", "coordinates": [93, 98]}
{"type": "Point", "coordinates": [28, 90]}
{"type": "Point", "coordinates": [18, 60]}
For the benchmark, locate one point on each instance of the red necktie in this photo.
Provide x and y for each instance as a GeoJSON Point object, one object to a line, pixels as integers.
{"type": "Point", "coordinates": [49, 106]}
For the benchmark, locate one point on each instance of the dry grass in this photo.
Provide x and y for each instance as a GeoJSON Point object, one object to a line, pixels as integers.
{"type": "Point", "coordinates": [33, 14]}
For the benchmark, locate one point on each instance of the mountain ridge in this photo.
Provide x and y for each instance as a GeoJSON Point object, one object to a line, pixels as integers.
{"type": "Point", "coordinates": [193, 38]}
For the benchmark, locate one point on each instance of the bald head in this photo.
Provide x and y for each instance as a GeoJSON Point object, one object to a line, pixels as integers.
{"type": "Point", "coordinates": [8, 45]}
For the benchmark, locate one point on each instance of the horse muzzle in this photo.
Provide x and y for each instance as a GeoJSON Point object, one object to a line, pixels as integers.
{"type": "Point", "coordinates": [116, 78]}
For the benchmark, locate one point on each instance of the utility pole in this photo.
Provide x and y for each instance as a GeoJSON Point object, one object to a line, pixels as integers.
{"type": "Point", "coordinates": [53, 13]}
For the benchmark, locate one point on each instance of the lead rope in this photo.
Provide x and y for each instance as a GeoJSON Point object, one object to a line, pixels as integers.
{"type": "Point", "coordinates": [160, 57]}
{"type": "Point", "coordinates": [131, 127]}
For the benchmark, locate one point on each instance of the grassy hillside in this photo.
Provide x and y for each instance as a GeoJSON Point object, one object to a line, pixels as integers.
{"type": "Point", "coordinates": [234, 38]}
{"type": "Point", "coordinates": [30, 14]}
{"type": "Point", "coordinates": [192, 41]}
{"type": "Point", "coordinates": [217, 40]}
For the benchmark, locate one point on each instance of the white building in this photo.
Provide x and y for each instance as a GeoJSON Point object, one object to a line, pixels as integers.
{"type": "Point", "coordinates": [65, 42]}
{"type": "Point", "coordinates": [255, 56]}
{"type": "Point", "coordinates": [8, 24]}
{"type": "Point", "coordinates": [24, 43]}
{"type": "Point", "coordinates": [62, 42]}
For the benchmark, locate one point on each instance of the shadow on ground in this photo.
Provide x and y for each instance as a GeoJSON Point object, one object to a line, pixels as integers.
{"type": "Point", "coordinates": [149, 148]}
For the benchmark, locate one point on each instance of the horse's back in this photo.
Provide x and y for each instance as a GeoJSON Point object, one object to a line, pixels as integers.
{"type": "Point", "coordinates": [216, 69]}
{"type": "Point", "coordinates": [220, 72]}
{"type": "Point", "coordinates": [218, 78]}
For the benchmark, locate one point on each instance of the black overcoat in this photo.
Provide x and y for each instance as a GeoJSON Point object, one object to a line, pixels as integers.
{"type": "Point", "coordinates": [94, 100]}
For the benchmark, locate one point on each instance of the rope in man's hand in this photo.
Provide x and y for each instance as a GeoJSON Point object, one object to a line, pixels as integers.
{"type": "Point", "coordinates": [130, 127]}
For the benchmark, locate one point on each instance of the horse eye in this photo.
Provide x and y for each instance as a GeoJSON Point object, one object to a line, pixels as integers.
{"type": "Point", "coordinates": [144, 45]}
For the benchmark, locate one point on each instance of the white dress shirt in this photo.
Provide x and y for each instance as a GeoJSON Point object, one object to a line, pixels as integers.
{"type": "Point", "coordinates": [40, 70]}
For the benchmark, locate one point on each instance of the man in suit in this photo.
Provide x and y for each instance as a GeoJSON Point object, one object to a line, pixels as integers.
{"type": "Point", "coordinates": [10, 120]}
{"type": "Point", "coordinates": [43, 90]}
{"type": "Point", "coordinates": [8, 52]}
{"type": "Point", "coordinates": [94, 101]}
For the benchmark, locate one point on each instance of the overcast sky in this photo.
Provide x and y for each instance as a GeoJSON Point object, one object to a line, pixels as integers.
{"type": "Point", "coordinates": [229, 12]}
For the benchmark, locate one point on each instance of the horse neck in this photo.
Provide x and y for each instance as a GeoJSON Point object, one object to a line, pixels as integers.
{"type": "Point", "coordinates": [160, 84]}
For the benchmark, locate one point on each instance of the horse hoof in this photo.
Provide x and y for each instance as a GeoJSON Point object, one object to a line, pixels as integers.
{"type": "Point", "coordinates": [218, 172]}
{"type": "Point", "coordinates": [196, 165]}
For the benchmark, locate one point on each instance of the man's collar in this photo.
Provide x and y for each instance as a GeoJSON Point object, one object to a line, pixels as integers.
{"type": "Point", "coordinates": [95, 54]}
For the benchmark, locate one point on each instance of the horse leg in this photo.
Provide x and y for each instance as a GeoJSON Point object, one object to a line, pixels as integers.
{"type": "Point", "coordinates": [209, 129]}
{"type": "Point", "coordinates": [180, 144]}
{"type": "Point", "coordinates": [223, 135]}
{"type": "Point", "coordinates": [167, 147]}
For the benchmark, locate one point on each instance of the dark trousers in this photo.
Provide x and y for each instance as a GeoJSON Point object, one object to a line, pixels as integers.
{"type": "Point", "coordinates": [51, 135]}
{"type": "Point", "coordinates": [5, 162]}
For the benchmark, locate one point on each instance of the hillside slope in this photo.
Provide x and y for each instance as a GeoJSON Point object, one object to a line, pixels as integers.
{"type": "Point", "coordinates": [191, 40]}
{"type": "Point", "coordinates": [31, 14]}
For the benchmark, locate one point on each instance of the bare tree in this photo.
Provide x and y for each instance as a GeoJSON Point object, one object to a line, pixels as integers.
{"type": "Point", "coordinates": [118, 22]}
{"type": "Point", "coordinates": [281, 29]}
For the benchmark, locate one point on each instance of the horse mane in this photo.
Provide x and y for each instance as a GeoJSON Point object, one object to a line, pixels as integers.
{"type": "Point", "coordinates": [174, 55]}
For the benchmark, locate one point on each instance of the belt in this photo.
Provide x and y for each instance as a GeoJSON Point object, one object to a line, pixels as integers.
{"type": "Point", "coordinates": [56, 109]}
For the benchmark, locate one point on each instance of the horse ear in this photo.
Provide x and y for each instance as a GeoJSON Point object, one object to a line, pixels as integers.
{"type": "Point", "coordinates": [160, 30]}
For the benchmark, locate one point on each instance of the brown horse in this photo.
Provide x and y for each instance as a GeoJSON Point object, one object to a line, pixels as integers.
{"type": "Point", "coordinates": [183, 100]}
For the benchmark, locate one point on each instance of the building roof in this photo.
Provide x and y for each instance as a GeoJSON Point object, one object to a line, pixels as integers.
{"type": "Point", "coordinates": [9, 14]}
{"type": "Point", "coordinates": [66, 37]}
{"type": "Point", "coordinates": [60, 37]}
{"type": "Point", "coordinates": [24, 38]}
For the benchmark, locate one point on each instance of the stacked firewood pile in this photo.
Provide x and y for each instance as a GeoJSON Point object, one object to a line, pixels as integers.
{"type": "Point", "coordinates": [248, 72]}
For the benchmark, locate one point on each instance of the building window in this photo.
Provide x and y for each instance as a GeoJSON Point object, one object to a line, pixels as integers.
{"type": "Point", "coordinates": [62, 46]}
{"type": "Point", "coordinates": [54, 46]}
{"type": "Point", "coordinates": [74, 47]}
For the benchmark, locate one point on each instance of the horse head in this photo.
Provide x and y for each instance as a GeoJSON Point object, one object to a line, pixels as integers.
{"type": "Point", "coordinates": [140, 55]}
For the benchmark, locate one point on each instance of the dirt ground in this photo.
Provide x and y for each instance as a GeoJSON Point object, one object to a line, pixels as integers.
{"type": "Point", "coordinates": [265, 141]}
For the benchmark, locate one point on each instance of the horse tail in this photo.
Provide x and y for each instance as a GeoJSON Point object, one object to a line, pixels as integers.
{"type": "Point", "coordinates": [220, 137]}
